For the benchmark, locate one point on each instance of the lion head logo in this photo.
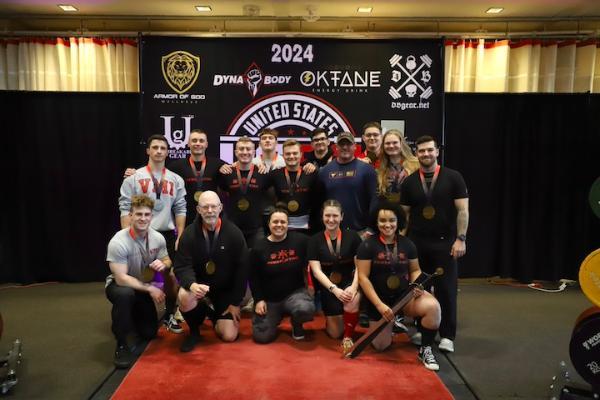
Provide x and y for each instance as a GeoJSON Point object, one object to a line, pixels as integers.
{"type": "Point", "coordinates": [180, 70]}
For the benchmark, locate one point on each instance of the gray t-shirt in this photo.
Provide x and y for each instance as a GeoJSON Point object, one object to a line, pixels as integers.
{"type": "Point", "coordinates": [125, 248]}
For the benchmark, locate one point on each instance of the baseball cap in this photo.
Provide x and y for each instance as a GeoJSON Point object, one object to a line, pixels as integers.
{"type": "Point", "coordinates": [345, 136]}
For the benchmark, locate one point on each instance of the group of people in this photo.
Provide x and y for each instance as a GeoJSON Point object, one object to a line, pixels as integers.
{"type": "Point", "coordinates": [352, 227]}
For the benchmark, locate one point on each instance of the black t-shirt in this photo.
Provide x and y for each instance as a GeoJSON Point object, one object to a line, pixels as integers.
{"type": "Point", "coordinates": [450, 185]}
{"type": "Point", "coordinates": [277, 268]}
{"type": "Point", "coordinates": [209, 181]}
{"type": "Point", "coordinates": [319, 162]}
{"type": "Point", "coordinates": [319, 251]}
{"type": "Point", "coordinates": [382, 265]}
{"type": "Point", "coordinates": [229, 274]}
{"type": "Point", "coordinates": [250, 219]}
{"type": "Point", "coordinates": [303, 192]}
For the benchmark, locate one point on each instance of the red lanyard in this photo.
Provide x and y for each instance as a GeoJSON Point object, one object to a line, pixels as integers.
{"type": "Point", "coordinates": [289, 182]}
{"type": "Point", "coordinates": [337, 254]}
{"type": "Point", "coordinates": [393, 255]}
{"type": "Point", "coordinates": [244, 187]}
{"type": "Point", "coordinates": [199, 175]}
{"type": "Point", "coordinates": [428, 191]}
{"type": "Point", "coordinates": [210, 247]}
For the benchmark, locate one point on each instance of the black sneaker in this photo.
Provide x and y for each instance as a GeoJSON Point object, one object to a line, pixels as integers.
{"type": "Point", "coordinates": [399, 326]}
{"type": "Point", "coordinates": [428, 359]}
{"type": "Point", "coordinates": [298, 331]}
{"type": "Point", "coordinates": [363, 320]}
{"type": "Point", "coordinates": [189, 342]}
{"type": "Point", "coordinates": [123, 357]}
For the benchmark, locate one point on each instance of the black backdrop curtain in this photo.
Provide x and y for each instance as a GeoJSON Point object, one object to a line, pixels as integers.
{"type": "Point", "coordinates": [528, 161]}
{"type": "Point", "coordinates": [67, 152]}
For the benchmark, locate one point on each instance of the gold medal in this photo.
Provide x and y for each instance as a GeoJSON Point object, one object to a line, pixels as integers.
{"type": "Point", "coordinates": [335, 277]}
{"type": "Point", "coordinates": [197, 195]}
{"type": "Point", "coordinates": [210, 267]}
{"type": "Point", "coordinates": [147, 274]}
{"type": "Point", "coordinates": [393, 197]}
{"type": "Point", "coordinates": [428, 212]}
{"type": "Point", "coordinates": [393, 282]}
{"type": "Point", "coordinates": [293, 205]}
{"type": "Point", "coordinates": [243, 204]}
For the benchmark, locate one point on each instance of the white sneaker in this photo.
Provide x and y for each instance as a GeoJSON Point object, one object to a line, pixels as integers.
{"type": "Point", "coordinates": [446, 345]}
{"type": "Point", "coordinates": [178, 316]}
{"type": "Point", "coordinates": [428, 359]}
{"type": "Point", "coordinates": [416, 339]}
{"type": "Point", "coordinates": [172, 325]}
{"type": "Point", "coordinates": [249, 307]}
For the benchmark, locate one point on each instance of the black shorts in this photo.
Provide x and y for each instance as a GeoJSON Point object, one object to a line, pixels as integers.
{"type": "Point", "coordinates": [332, 305]}
{"type": "Point", "coordinates": [220, 304]}
{"type": "Point", "coordinates": [372, 310]}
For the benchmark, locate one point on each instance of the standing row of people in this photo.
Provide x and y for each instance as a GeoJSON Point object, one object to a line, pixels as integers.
{"type": "Point", "coordinates": [351, 185]}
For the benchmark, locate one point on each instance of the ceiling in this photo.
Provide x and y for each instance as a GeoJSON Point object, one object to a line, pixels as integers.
{"type": "Point", "coordinates": [425, 18]}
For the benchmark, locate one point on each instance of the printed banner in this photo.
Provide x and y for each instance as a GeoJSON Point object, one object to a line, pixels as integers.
{"type": "Point", "coordinates": [237, 87]}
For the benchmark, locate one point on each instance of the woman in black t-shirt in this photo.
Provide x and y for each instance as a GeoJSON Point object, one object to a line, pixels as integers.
{"type": "Point", "coordinates": [387, 262]}
{"type": "Point", "coordinates": [277, 280]}
{"type": "Point", "coordinates": [331, 257]}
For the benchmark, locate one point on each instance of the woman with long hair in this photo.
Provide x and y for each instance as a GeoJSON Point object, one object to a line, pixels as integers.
{"type": "Point", "coordinates": [396, 163]}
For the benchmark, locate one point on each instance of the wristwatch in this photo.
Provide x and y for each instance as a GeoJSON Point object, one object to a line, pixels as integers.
{"type": "Point", "coordinates": [331, 287]}
{"type": "Point", "coordinates": [462, 238]}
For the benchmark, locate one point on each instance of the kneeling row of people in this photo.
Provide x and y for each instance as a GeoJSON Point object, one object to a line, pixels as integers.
{"type": "Point", "coordinates": [213, 268]}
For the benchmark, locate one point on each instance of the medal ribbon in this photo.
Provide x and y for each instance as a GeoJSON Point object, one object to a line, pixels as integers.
{"type": "Point", "coordinates": [429, 191]}
{"type": "Point", "coordinates": [244, 187]}
{"type": "Point", "coordinates": [337, 254]}
{"type": "Point", "coordinates": [393, 255]}
{"type": "Point", "coordinates": [157, 186]}
{"type": "Point", "coordinates": [199, 175]}
{"type": "Point", "coordinates": [144, 252]}
{"type": "Point", "coordinates": [210, 247]}
{"type": "Point", "coordinates": [289, 182]}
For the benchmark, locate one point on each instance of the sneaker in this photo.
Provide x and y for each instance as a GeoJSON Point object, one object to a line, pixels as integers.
{"type": "Point", "coordinates": [363, 320]}
{"type": "Point", "coordinates": [123, 357]}
{"type": "Point", "coordinates": [249, 307]}
{"type": "Point", "coordinates": [347, 344]}
{"type": "Point", "coordinates": [428, 359]}
{"type": "Point", "coordinates": [399, 327]}
{"type": "Point", "coordinates": [172, 325]}
{"type": "Point", "coordinates": [178, 317]}
{"type": "Point", "coordinates": [297, 331]}
{"type": "Point", "coordinates": [446, 345]}
{"type": "Point", "coordinates": [416, 339]}
{"type": "Point", "coordinates": [189, 342]}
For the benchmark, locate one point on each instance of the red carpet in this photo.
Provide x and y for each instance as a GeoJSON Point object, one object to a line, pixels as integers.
{"type": "Point", "coordinates": [285, 369]}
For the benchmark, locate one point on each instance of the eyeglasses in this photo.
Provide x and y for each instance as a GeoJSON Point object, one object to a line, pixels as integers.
{"type": "Point", "coordinates": [372, 135]}
{"type": "Point", "coordinates": [320, 139]}
{"type": "Point", "coordinates": [207, 207]}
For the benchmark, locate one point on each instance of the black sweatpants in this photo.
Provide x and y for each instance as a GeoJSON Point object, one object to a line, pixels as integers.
{"type": "Point", "coordinates": [132, 311]}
